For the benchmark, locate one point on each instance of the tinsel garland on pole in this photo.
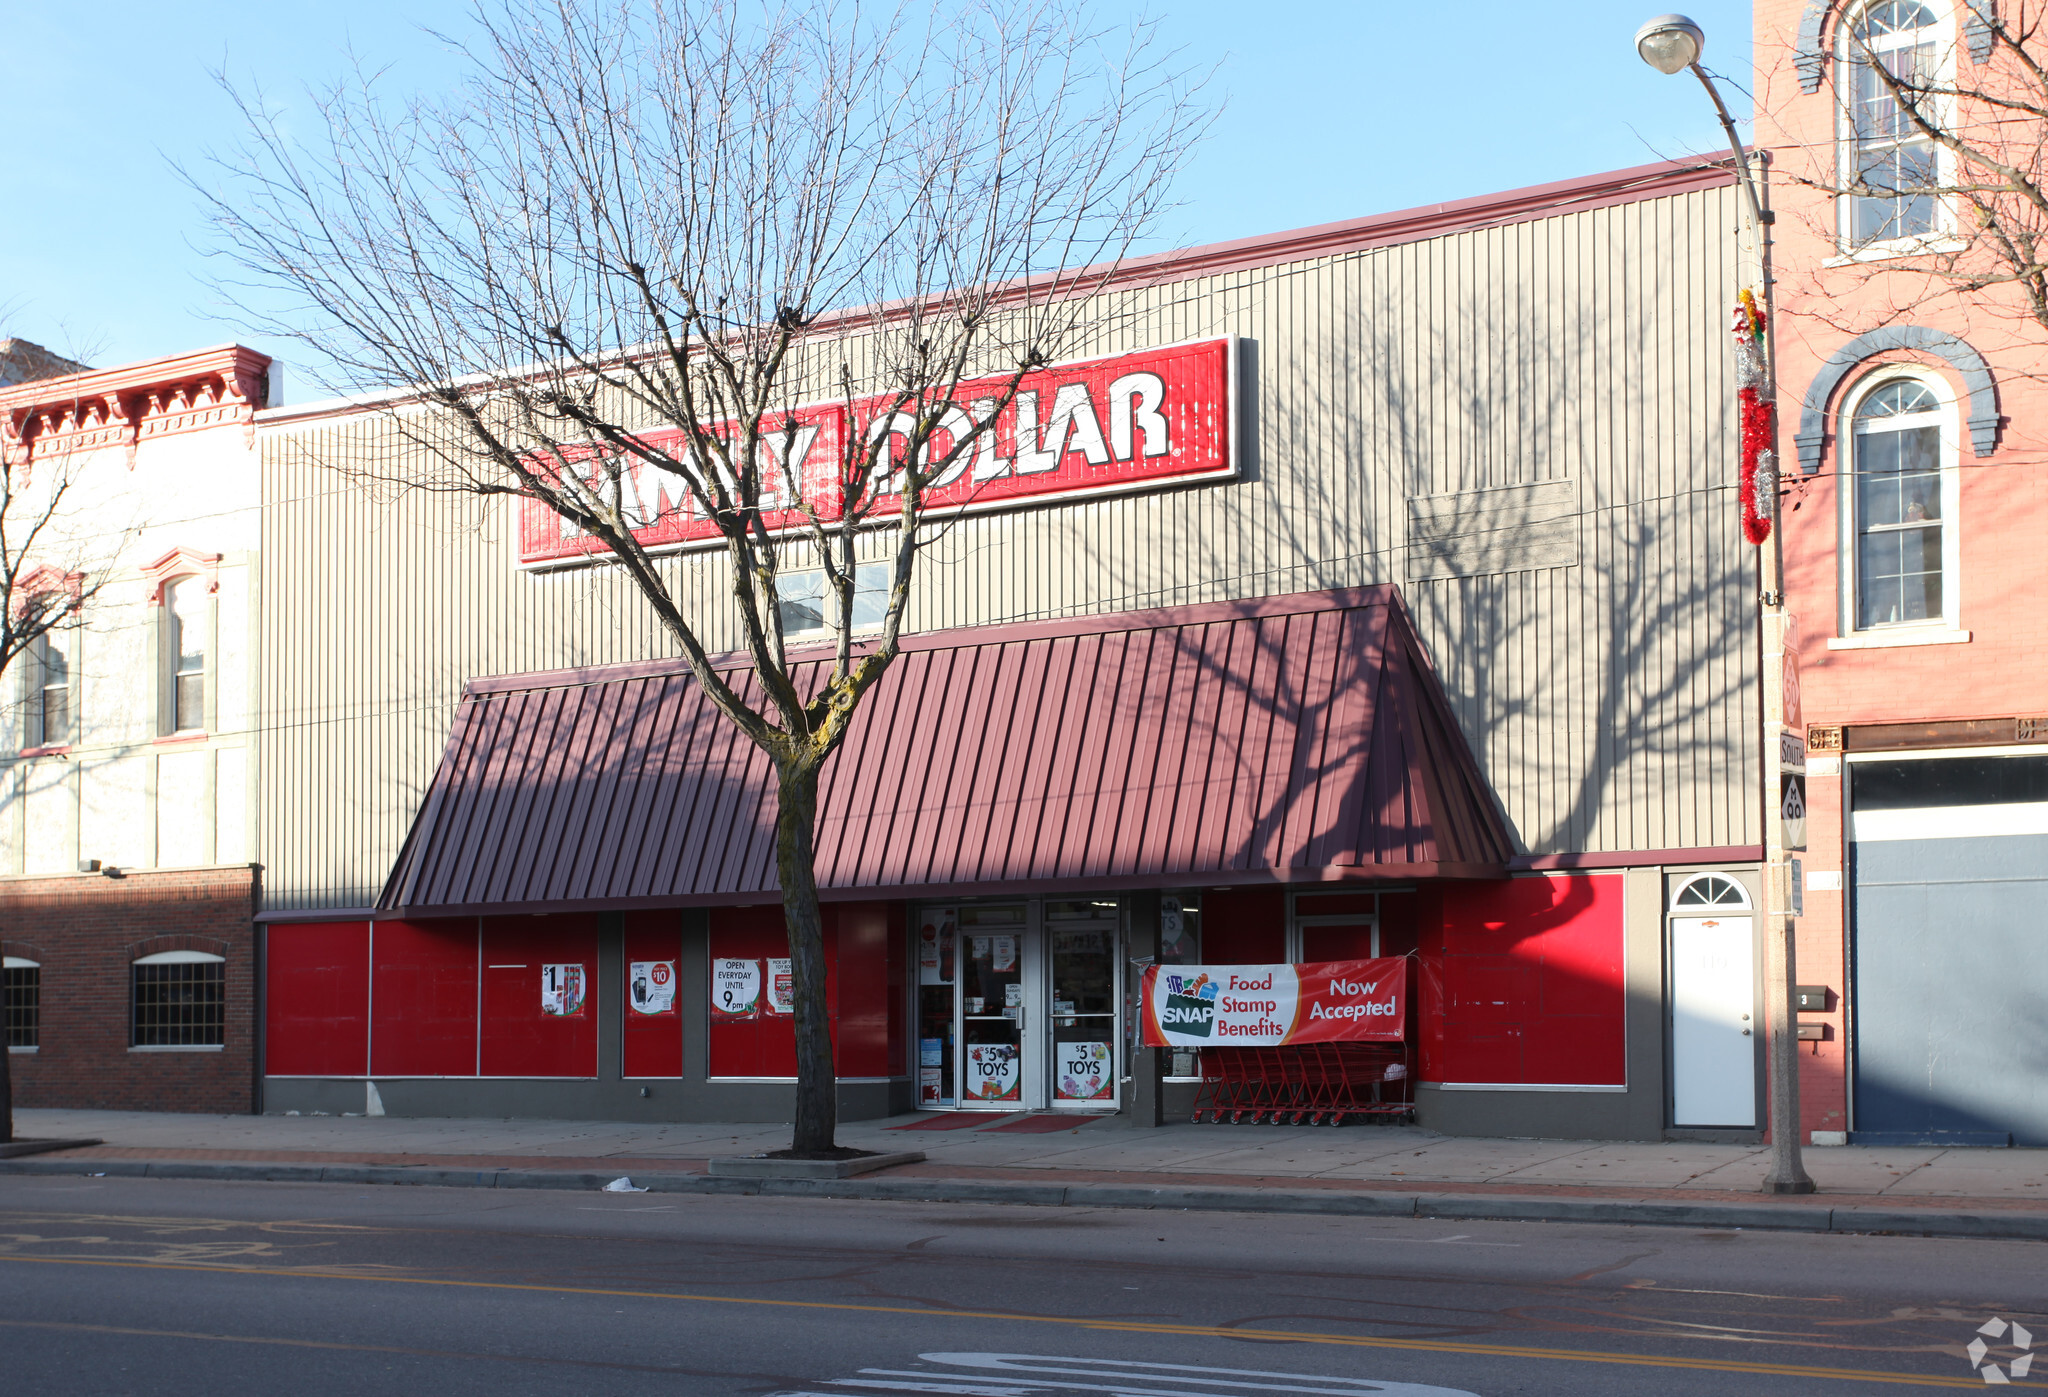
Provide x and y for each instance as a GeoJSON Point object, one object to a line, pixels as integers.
{"type": "Point", "coordinates": [1759, 420]}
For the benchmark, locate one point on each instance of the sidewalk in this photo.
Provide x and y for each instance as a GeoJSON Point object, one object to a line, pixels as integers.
{"type": "Point", "coordinates": [1103, 1162]}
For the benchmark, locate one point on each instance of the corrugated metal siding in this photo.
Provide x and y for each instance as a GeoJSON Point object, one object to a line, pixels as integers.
{"type": "Point", "coordinates": [1610, 703]}
{"type": "Point", "coordinates": [1302, 737]}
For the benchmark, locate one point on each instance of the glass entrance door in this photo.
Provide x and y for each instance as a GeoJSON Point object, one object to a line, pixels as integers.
{"type": "Point", "coordinates": [1000, 1015]}
{"type": "Point", "coordinates": [1082, 995]}
{"type": "Point", "coordinates": [1017, 1006]}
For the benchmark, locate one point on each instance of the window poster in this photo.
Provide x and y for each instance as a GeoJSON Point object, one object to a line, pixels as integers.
{"type": "Point", "coordinates": [1084, 1072]}
{"type": "Point", "coordinates": [651, 986]}
{"type": "Point", "coordinates": [1005, 954]}
{"type": "Point", "coordinates": [935, 946]}
{"type": "Point", "coordinates": [735, 989]}
{"type": "Point", "coordinates": [562, 991]}
{"type": "Point", "coordinates": [781, 986]}
{"type": "Point", "coordinates": [992, 1072]}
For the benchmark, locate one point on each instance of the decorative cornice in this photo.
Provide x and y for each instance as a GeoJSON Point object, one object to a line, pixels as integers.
{"type": "Point", "coordinates": [134, 403]}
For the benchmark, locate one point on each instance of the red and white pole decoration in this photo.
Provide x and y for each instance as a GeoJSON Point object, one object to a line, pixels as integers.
{"type": "Point", "coordinates": [1759, 419]}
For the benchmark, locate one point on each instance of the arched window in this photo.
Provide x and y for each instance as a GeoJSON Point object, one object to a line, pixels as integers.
{"type": "Point", "coordinates": [1710, 890]}
{"type": "Point", "coordinates": [180, 1000]}
{"type": "Point", "coordinates": [1901, 504]}
{"type": "Point", "coordinates": [1884, 149]}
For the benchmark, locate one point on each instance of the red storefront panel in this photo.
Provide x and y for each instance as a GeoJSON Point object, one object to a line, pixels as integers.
{"type": "Point", "coordinates": [1244, 927]}
{"type": "Point", "coordinates": [316, 998]}
{"type": "Point", "coordinates": [765, 1045]}
{"type": "Point", "coordinates": [653, 1043]}
{"type": "Point", "coordinates": [869, 962]}
{"type": "Point", "coordinates": [520, 1036]}
{"type": "Point", "coordinates": [1529, 984]}
{"type": "Point", "coordinates": [423, 998]}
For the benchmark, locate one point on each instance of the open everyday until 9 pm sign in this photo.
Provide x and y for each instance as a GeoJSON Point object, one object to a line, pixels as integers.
{"type": "Point", "coordinates": [1264, 1006]}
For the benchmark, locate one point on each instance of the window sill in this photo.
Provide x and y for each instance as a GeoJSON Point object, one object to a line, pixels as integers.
{"type": "Point", "coordinates": [176, 1048]}
{"type": "Point", "coordinates": [60, 751]}
{"type": "Point", "coordinates": [1893, 640]}
{"type": "Point", "coordinates": [24, 1052]}
{"type": "Point", "coordinates": [182, 739]}
{"type": "Point", "coordinates": [1897, 248]}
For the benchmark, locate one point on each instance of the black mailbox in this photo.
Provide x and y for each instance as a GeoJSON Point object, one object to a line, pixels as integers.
{"type": "Point", "coordinates": [1810, 998]}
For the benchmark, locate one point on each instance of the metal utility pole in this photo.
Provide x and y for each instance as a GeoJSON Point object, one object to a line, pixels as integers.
{"type": "Point", "coordinates": [1670, 43]}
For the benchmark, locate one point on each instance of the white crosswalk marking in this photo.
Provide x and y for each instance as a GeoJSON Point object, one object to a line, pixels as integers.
{"type": "Point", "coordinates": [1039, 1375]}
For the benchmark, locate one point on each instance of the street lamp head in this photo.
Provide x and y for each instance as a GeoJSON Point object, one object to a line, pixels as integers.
{"type": "Point", "coordinates": [1670, 43]}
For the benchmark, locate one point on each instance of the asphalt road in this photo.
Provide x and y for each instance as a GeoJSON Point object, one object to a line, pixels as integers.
{"type": "Point", "coordinates": [165, 1288]}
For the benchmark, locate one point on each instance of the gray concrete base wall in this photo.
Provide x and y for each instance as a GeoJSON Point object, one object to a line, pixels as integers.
{"type": "Point", "coordinates": [542, 1099]}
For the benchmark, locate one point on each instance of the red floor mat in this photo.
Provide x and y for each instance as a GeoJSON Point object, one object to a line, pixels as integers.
{"type": "Point", "coordinates": [1043, 1125]}
{"type": "Point", "coordinates": [949, 1120]}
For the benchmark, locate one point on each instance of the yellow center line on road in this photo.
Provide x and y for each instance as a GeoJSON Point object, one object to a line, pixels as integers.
{"type": "Point", "coordinates": [1704, 1365]}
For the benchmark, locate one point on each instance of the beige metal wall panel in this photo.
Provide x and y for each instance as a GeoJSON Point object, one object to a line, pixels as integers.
{"type": "Point", "coordinates": [1604, 670]}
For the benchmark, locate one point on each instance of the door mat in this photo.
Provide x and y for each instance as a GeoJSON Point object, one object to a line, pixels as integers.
{"type": "Point", "coordinates": [948, 1120]}
{"type": "Point", "coordinates": [1042, 1125]}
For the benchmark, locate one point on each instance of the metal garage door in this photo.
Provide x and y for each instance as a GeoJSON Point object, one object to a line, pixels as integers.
{"type": "Point", "coordinates": [1949, 856]}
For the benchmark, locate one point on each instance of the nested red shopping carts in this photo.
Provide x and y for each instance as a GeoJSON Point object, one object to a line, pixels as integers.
{"type": "Point", "coordinates": [1308, 1083]}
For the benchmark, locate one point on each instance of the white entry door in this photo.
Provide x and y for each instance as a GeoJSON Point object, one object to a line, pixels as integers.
{"type": "Point", "coordinates": [1713, 1035]}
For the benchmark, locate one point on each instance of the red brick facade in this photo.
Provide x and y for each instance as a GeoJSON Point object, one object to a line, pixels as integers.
{"type": "Point", "coordinates": [85, 930]}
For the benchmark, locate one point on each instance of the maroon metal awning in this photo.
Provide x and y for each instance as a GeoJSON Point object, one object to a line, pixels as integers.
{"type": "Point", "coordinates": [1287, 739]}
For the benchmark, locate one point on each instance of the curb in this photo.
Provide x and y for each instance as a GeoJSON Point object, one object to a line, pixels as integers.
{"type": "Point", "coordinates": [1790, 1217]}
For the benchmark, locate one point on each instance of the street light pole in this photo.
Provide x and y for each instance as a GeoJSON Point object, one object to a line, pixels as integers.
{"type": "Point", "coordinates": [1669, 43]}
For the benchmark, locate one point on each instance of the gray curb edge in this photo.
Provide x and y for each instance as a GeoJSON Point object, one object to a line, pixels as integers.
{"type": "Point", "coordinates": [1793, 1217]}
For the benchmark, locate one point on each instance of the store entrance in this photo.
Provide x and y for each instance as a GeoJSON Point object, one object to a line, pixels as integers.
{"type": "Point", "coordinates": [1018, 1006]}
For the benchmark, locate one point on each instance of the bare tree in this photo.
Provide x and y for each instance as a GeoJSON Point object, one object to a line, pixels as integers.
{"type": "Point", "coordinates": [1942, 137]}
{"type": "Point", "coordinates": [603, 276]}
{"type": "Point", "coordinates": [57, 552]}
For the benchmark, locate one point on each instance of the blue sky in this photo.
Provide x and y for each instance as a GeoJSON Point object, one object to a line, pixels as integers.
{"type": "Point", "coordinates": [1333, 111]}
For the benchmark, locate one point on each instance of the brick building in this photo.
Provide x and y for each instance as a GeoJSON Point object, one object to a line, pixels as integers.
{"type": "Point", "coordinates": [1915, 434]}
{"type": "Point", "coordinates": [126, 888]}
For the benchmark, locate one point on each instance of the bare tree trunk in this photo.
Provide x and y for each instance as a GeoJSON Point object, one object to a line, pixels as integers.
{"type": "Point", "coordinates": [817, 1104]}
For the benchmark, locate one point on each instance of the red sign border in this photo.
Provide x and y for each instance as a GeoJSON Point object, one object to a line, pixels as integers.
{"type": "Point", "coordinates": [1232, 469]}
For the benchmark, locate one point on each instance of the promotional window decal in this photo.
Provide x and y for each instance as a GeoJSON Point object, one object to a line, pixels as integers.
{"type": "Point", "coordinates": [651, 986]}
{"type": "Point", "coordinates": [561, 991]}
{"type": "Point", "coordinates": [1130, 421]}
{"type": "Point", "coordinates": [1083, 1071]}
{"type": "Point", "coordinates": [1005, 954]}
{"type": "Point", "coordinates": [935, 936]}
{"type": "Point", "coordinates": [1201, 1006]}
{"type": "Point", "coordinates": [735, 989]}
{"type": "Point", "coordinates": [992, 1073]}
{"type": "Point", "coordinates": [781, 986]}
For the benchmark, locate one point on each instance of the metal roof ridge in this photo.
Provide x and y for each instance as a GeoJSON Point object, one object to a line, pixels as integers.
{"type": "Point", "coordinates": [960, 637]}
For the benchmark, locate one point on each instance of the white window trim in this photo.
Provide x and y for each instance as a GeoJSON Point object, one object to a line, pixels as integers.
{"type": "Point", "coordinates": [1943, 237]}
{"type": "Point", "coordinates": [180, 958]}
{"type": "Point", "coordinates": [1899, 637]}
{"type": "Point", "coordinates": [1948, 630]}
{"type": "Point", "coordinates": [19, 963]}
{"type": "Point", "coordinates": [1707, 909]}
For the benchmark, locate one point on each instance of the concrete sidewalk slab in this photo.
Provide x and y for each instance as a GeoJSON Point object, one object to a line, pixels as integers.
{"type": "Point", "coordinates": [1359, 1170]}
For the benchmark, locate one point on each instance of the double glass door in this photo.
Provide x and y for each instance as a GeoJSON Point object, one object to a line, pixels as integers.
{"type": "Point", "coordinates": [1018, 1006]}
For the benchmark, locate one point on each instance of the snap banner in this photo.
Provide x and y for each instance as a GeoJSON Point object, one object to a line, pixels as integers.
{"type": "Point", "coordinates": [1265, 1006]}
